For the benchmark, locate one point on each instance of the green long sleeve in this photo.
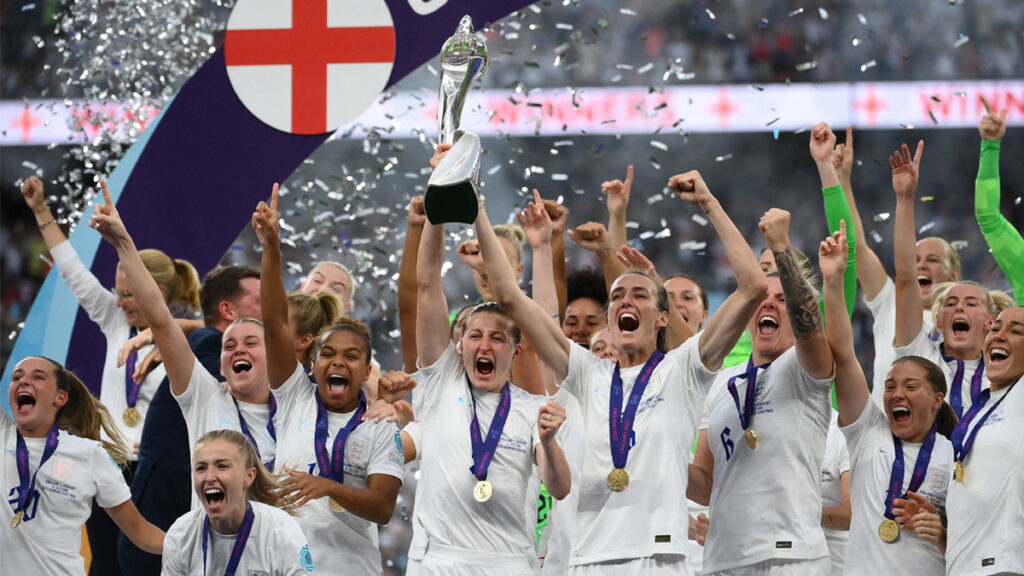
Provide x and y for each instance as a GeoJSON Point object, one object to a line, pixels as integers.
{"type": "Point", "coordinates": [838, 209]}
{"type": "Point", "coordinates": [1003, 239]}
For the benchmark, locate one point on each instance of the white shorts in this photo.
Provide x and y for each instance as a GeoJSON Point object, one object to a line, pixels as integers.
{"type": "Point", "coordinates": [781, 567]}
{"type": "Point", "coordinates": [441, 561]}
{"type": "Point", "coordinates": [657, 565]}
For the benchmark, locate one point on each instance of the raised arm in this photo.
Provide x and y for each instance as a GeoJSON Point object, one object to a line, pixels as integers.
{"type": "Point", "coordinates": [558, 215]}
{"type": "Point", "coordinates": [729, 322]}
{"type": "Point", "coordinates": [407, 282]}
{"type": "Point", "coordinates": [536, 223]}
{"type": "Point", "coordinates": [812, 349]}
{"type": "Point", "coordinates": [851, 385]}
{"type": "Point", "coordinates": [431, 307]}
{"type": "Point", "coordinates": [35, 198]}
{"type": "Point", "coordinates": [617, 202]}
{"type": "Point", "coordinates": [178, 357]}
{"type": "Point", "coordinates": [870, 271]}
{"type": "Point", "coordinates": [1004, 240]}
{"type": "Point", "coordinates": [280, 344]}
{"type": "Point", "coordinates": [837, 209]}
{"type": "Point", "coordinates": [594, 237]}
{"type": "Point", "coordinates": [908, 295]}
{"type": "Point", "coordinates": [551, 345]}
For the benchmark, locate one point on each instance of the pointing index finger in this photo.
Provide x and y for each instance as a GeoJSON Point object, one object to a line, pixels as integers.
{"type": "Point", "coordinates": [107, 199]}
{"type": "Point", "coordinates": [988, 107]}
{"type": "Point", "coordinates": [629, 175]}
{"type": "Point", "coordinates": [273, 197]}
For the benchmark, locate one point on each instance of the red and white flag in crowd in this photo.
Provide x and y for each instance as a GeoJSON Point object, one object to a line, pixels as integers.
{"type": "Point", "coordinates": [309, 66]}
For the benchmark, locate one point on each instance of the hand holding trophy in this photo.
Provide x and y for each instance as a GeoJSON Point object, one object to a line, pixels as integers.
{"type": "Point", "coordinates": [453, 187]}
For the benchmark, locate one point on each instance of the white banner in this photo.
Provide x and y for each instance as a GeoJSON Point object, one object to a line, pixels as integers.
{"type": "Point", "coordinates": [626, 110]}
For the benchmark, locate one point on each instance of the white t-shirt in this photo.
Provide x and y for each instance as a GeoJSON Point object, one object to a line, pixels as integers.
{"type": "Point", "coordinates": [276, 546]}
{"type": "Point", "coordinates": [872, 450]}
{"type": "Point", "coordinates": [101, 305]}
{"type": "Point", "coordinates": [208, 405]}
{"type": "Point", "coordinates": [835, 463]}
{"type": "Point", "coordinates": [341, 542]}
{"type": "Point", "coordinates": [883, 309]}
{"type": "Point", "coordinates": [555, 544]}
{"type": "Point", "coordinates": [649, 517]}
{"type": "Point", "coordinates": [986, 512]}
{"type": "Point", "coordinates": [49, 539]}
{"type": "Point", "coordinates": [452, 518]}
{"type": "Point", "coordinates": [766, 503]}
{"type": "Point", "coordinates": [923, 346]}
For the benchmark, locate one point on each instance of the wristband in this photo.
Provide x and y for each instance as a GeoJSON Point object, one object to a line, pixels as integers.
{"type": "Point", "coordinates": [47, 223]}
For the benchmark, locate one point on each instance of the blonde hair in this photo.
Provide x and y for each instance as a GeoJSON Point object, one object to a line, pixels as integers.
{"type": "Point", "coordinates": [995, 300]}
{"type": "Point", "coordinates": [178, 277]}
{"type": "Point", "coordinates": [85, 416]}
{"type": "Point", "coordinates": [312, 313]}
{"type": "Point", "coordinates": [952, 257]}
{"type": "Point", "coordinates": [515, 236]}
{"type": "Point", "coordinates": [265, 488]}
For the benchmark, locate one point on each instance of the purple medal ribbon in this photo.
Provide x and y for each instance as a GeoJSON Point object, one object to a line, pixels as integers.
{"type": "Point", "coordinates": [916, 478]}
{"type": "Point", "coordinates": [240, 540]}
{"type": "Point", "coordinates": [131, 388]}
{"type": "Point", "coordinates": [270, 428]}
{"type": "Point", "coordinates": [483, 451]}
{"type": "Point", "coordinates": [27, 484]}
{"type": "Point", "coordinates": [960, 447]}
{"type": "Point", "coordinates": [332, 466]}
{"type": "Point", "coordinates": [955, 389]}
{"type": "Point", "coordinates": [620, 421]}
{"type": "Point", "coordinates": [746, 412]}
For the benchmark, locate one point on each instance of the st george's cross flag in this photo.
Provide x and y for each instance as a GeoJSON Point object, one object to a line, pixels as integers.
{"type": "Point", "coordinates": [217, 146]}
{"type": "Point", "coordinates": [309, 66]}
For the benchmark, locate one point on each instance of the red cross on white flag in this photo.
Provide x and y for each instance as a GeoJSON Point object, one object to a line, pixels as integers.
{"type": "Point", "coordinates": [309, 66]}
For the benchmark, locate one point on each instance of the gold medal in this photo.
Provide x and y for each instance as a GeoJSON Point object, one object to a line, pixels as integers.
{"type": "Point", "coordinates": [752, 440]}
{"type": "Point", "coordinates": [131, 416]}
{"type": "Point", "coordinates": [888, 530]}
{"type": "Point", "coordinates": [335, 506]}
{"type": "Point", "coordinates": [958, 472]}
{"type": "Point", "coordinates": [482, 491]}
{"type": "Point", "coordinates": [18, 517]}
{"type": "Point", "coordinates": [618, 479]}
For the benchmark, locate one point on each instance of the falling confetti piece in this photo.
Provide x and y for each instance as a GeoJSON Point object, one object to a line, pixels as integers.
{"type": "Point", "coordinates": [870, 64]}
{"type": "Point", "coordinates": [882, 217]}
{"type": "Point", "coordinates": [659, 145]}
{"type": "Point", "coordinates": [823, 13]}
{"type": "Point", "coordinates": [855, 41]}
{"type": "Point", "coordinates": [796, 12]}
{"type": "Point", "coordinates": [958, 245]}
{"type": "Point", "coordinates": [723, 158]}
{"type": "Point", "coordinates": [710, 13]}
{"type": "Point", "coordinates": [876, 237]}
{"type": "Point", "coordinates": [804, 66]}
{"type": "Point", "coordinates": [692, 245]}
{"type": "Point", "coordinates": [963, 39]}
{"type": "Point", "coordinates": [773, 121]}
{"type": "Point", "coordinates": [927, 198]}
{"type": "Point", "coordinates": [926, 227]}
{"type": "Point", "coordinates": [862, 19]}
{"type": "Point", "coordinates": [699, 219]}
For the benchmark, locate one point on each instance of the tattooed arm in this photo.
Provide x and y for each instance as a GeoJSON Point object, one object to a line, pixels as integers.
{"type": "Point", "coordinates": [812, 348]}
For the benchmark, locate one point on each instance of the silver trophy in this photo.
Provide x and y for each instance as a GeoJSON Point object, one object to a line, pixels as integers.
{"type": "Point", "coordinates": [452, 192]}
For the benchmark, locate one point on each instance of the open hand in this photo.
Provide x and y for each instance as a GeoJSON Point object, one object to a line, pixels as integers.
{"type": "Point", "coordinates": [618, 193]}
{"type": "Point", "coordinates": [905, 172]}
{"type": "Point", "coordinates": [535, 221]}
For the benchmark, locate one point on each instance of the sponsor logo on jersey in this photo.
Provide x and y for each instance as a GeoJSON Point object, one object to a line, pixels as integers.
{"type": "Point", "coordinates": [306, 559]}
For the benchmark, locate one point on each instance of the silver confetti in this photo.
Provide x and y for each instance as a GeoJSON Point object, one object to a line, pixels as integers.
{"type": "Point", "coordinates": [865, 66]}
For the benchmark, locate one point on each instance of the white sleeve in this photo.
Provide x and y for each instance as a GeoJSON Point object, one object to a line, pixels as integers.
{"type": "Point", "coordinates": [195, 400]}
{"type": "Point", "coordinates": [98, 302]}
{"type": "Point", "coordinates": [175, 559]}
{"type": "Point", "coordinates": [921, 346]}
{"type": "Point", "coordinates": [415, 432]}
{"type": "Point", "coordinates": [111, 489]}
{"type": "Point", "coordinates": [714, 395]}
{"type": "Point", "coordinates": [290, 547]}
{"type": "Point", "coordinates": [430, 382]}
{"type": "Point", "coordinates": [386, 456]}
{"type": "Point", "coordinates": [583, 365]}
{"type": "Point", "coordinates": [698, 378]}
{"type": "Point", "coordinates": [293, 390]}
{"type": "Point", "coordinates": [859, 431]}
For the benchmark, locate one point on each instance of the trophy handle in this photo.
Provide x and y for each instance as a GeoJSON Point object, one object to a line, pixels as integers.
{"type": "Point", "coordinates": [453, 190]}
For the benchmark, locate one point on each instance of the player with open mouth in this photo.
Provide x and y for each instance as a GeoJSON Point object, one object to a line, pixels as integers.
{"type": "Point", "coordinates": [659, 396]}
{"type": "Point", "coordinates": [54, 465]}
{"type": "Point", "coordinates": [240, 528]}
{"type": "Point", "coordinates": [243, 403]}
{"type": "Point", "coordinates": [342, 474]}
{"type": "Point", "coordinates": [901, 459]}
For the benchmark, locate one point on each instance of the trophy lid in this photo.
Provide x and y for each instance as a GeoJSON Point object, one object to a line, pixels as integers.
{"type": "Point", "coordinates": [464, 50]}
